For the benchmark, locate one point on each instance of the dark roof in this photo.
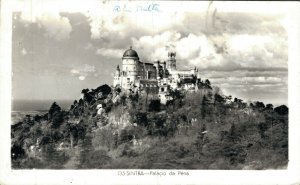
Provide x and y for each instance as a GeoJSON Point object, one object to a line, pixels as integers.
{"type": "Point", "coordinates": [147, 63]}
{"type": "Point", "coordinates": [130, 53]}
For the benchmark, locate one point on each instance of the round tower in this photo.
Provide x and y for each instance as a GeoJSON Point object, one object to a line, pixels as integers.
{"type": "Point", "coordinates": [130, 64]}
{"type": "Point", "coordinates": [171, 62]}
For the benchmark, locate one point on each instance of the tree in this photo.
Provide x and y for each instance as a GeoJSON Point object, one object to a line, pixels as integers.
{"type": "Point", "coordinates": [233, 133]}
{"type": "Point", "coordinates": [205, 106]}
{"type": "Point", "coordinates": [207, 82]}
{"type": "Point", "coordinates": [80, 102]}
{"type": "Point", "coordinates": [71, 132]}
{"type": "Point", "coordinates": [219, 104]}
{"type": "Point", "coordinates": [55, 114]}
{"type": "Point", "coordinates": [84, 91]}
{"type": "Point", "coordinates": [147, 90]}
{"type": "Point", "coordinates": [118, 90]}
{"type": "Point", "coordinates": [176, 99]}
{"type": "Point", "coordinates": [104, 89]}
{"type": "Point", "coordinates": [17, 152]}
{"type": "Point", "coordinates": [57, 119]}
{"type": "Point", "coordinates": [219, 99]}
{"type": "Point", "coordinates": [259, 105]}
{"type": "Point", "coordinates": [139, 118]}
{"type": "Point", "coordinates": [282, 110]}
{"type": "Point", "coordinates": [88, 97]}
{"type": "Point", "coordinates": [200, 84]}
{"type": "Point", "coordinates": [269, 107]}
{"type": "Point", "coordinates": [53, 109]}
{"type": "Point", "coordinates": [239, 103]}
{"type": "Point", "coordinates": [28, 120]}
{"type": "Point", "coordinates": [154, 105]}
{"type": "Point", "coordinates": [229, 98]}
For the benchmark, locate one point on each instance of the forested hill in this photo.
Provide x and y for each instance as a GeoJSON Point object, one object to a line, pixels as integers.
{"type": "Point", "coordinates": [196, 130]}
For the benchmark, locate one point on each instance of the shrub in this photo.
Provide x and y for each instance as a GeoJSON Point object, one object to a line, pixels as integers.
{"type": "Point", "coordinates": [94, 159]}
{"type": "Point", "coordinates": [154, 105]}
{"type": "Point", "coordinates": [282, 110]}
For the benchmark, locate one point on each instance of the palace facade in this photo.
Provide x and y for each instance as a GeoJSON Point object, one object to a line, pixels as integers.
{"type": "Point", "coordinates": [158, 77]}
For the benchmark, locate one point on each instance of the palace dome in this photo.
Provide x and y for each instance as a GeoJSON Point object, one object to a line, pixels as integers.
{"type": "Point", "coordinates": [130, 53]}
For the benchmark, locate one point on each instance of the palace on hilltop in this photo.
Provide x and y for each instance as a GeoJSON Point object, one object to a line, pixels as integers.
{"type": "Point", "coordinates": [158, 77]}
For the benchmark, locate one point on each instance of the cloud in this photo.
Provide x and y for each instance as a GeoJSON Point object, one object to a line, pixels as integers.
{"type": "Point", "coordinates": [56, 26]}
{"type": "Point", "coordinates": [235, 50]}
{"type": "Point", "coordinates": [257, 80]}
{"type": "Point", "coordinates": [130, 23]}
{"type": "Point", "coordinates": [83, 71]}
{"type": "Point", "coordinates": [110, 53]}
{"type": "Point", "coordinates": [189, 47]}
{"type": "Point", "coordinates": [24, 51]}
{"type": "Point", "coordinates": [244, 51]}
{"type": "Point", "coordinates": [81, 77]}
{"type": "Point", "coordinates": [211, 39]}
{"type": "Point", "coordinates": [268, 85]}
{"type": "Point", "coordinates": [155, 47]}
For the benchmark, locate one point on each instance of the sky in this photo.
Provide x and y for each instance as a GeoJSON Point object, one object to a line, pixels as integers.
{"type": "Point", "coordinates": [59, 49]}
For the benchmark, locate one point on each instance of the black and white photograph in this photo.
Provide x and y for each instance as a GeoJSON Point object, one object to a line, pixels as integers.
{"type": "Point", "coordinates": [150, 86]}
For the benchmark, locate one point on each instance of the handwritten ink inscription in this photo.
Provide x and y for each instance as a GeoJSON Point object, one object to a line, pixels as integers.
{"type": "Point", "coordinates": [153, 7]}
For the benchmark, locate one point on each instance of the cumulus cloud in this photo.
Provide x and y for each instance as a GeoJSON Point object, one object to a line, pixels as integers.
{"type": "Point", "coordinates": [81, 77]}
{"type": "Point", "coordinates": [233, 49]}
{"type": "Point", "coordinates": [155, 47]}
{"type": "Point", "coordinates": [252, 84]}
{"type": "Point", "coordinates": [83, 71]}
{"type": "Point", "coordinates": [208, 39]}
{"type": "Point", "coordinates": [190, 46]}
{"type": "Point", "coordinates": [57, 27]}
{"type": "Point", "coordinates": [110, 53]}
{"type": "Point", "coordinates": [123, 23]}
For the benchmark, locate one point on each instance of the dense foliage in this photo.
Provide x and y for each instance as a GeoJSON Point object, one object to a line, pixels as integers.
{"type": "Point", "coordinates": [194, 130]}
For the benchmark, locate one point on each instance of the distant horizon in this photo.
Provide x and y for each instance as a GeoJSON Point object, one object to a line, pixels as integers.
{"type": "Point", "coordinates": [38, 105]}
{"type": "Point", "coordinates": [44, 104]}
{"type": "Point", "coordinates": [245, 99]}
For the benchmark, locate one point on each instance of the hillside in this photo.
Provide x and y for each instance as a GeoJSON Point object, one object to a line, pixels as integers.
{"type": "Point", "coordinates": [196, 130]}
